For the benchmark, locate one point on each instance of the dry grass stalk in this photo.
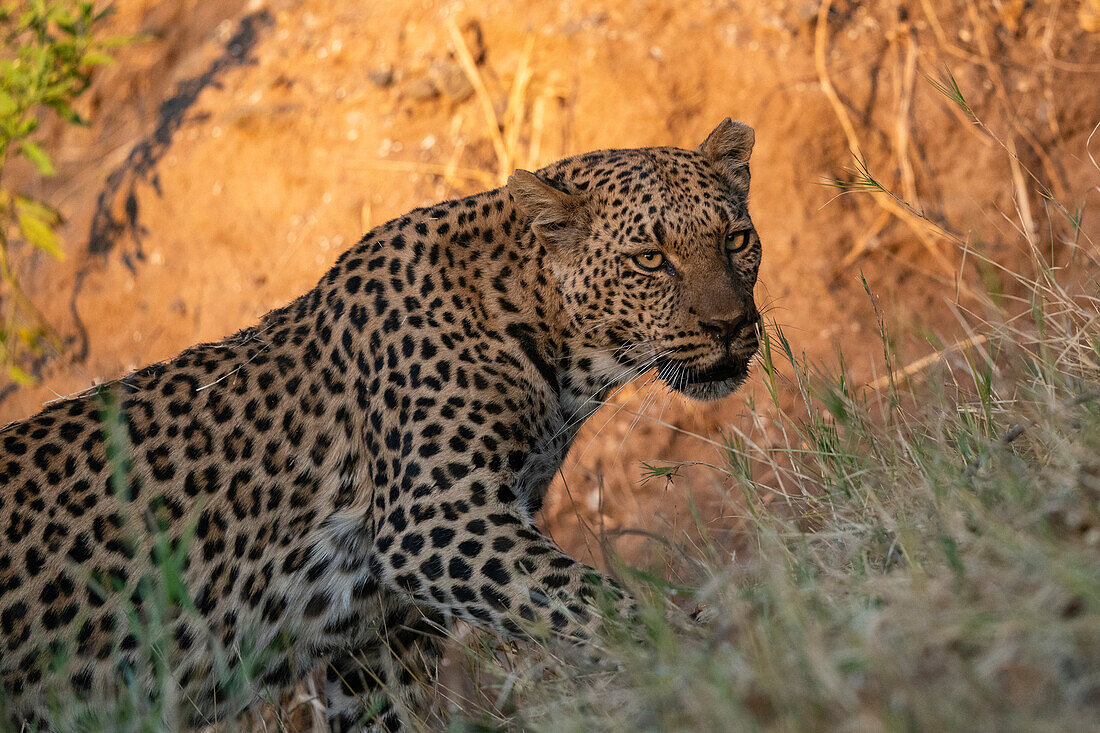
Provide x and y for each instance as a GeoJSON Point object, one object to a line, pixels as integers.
{"type": "Point", "coordinates": [492, 122]}
{"type": "Point", "coordinates": [504, 132]}
{"type": "Point", "coordinates": [516, 109]}
{"type": "Point", "coordinates": [927, 232]}
{"type": "Point", "coordinates": [901, 121]}
{"type": "Point", "coordinates": [915, 367]}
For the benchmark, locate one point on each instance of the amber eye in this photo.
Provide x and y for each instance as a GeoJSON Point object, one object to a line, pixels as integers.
{"type": "Point", "coordinates": [651, 260]}
{"type": "Point", "coordinates": [736, 241]}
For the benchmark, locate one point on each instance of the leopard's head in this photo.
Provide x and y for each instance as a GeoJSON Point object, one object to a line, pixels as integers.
{"type": "Point", "coordinates": [656, 257]}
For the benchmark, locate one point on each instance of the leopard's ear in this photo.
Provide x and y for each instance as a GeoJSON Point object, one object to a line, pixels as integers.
{"type": "Point", "coordinates": [558, 214]}
{"type": "Point", "coordinates": [728, 149]}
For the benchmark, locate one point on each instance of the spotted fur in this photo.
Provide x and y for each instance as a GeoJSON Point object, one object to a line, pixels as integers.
{"type": "Point", "coordinates": [338, 482]}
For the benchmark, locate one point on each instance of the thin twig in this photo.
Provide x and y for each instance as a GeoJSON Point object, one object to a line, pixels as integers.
{"type": "Point", "coordinates": [514, 113]}
{"type": "Point", "coordinates": [925, 361]}
{"type": "Point", "coordinates": [466, 60]}
{"type": "Point", "coordinates": [926, 231]}
{"type": "Point", "coordinates": [905, 99]}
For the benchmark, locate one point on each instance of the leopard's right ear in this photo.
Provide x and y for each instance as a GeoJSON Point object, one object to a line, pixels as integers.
{"type": "Point", "coordinates": [559, 215]}
{"type": "Point", "coordinates": [728, 148]}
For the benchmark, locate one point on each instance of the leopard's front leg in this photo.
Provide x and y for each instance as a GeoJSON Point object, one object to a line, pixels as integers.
{"type": "Point", "coordinates": [471, 555]}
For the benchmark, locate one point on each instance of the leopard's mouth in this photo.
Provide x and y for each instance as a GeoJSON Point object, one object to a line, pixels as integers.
{"type": "Point", "coordinates": [709, 383]}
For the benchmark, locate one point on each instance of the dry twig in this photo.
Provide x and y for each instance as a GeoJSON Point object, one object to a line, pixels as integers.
{"type": "Point", "coordinates": [466, 60]}
{"type": "Point", "coordinates": [926, 231]}
{"type": "Point", "coordinates": [924, 362]}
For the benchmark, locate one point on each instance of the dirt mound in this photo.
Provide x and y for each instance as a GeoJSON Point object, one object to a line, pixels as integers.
{"type": "Point", "coordinates": [241, 147]}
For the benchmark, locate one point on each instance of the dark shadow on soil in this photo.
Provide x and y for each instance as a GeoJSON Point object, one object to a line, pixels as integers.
{"type": "Point", "coordinates": [140, 165]}
{"type": "Point", "coordinates": [108, 227]}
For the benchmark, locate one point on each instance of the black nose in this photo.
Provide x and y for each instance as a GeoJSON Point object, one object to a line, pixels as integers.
{"type": "Point", "coordinates": [728, 329]}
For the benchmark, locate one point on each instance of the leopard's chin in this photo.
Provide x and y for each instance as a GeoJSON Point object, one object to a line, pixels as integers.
{"type": "Point", "coordinates": [709, 391]}
{"type": "Point", "coordinates": [713, 383]}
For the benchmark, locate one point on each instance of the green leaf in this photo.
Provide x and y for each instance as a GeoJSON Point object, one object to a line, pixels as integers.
{"type": "Point", "coordinates": [26, 127]}
{"type": "Point", "coordinates": [37, 231]}
{"type": "Point", "coordinates": [20, 377]}
{"type": "Point", "coordinates": [97, 58]}
{"type": "Point", "coordinates": [37, 210]}
{"type": "Point", "coordinates": [65, 111]}
{"type": "Point", "coordinates": [37, 156]}
{"type": "Point", "coordinates": [29, 336]}
{"type": "Point", "coordinates": [66, 22]}
{"type": "Point", "coordinates": [104, 13]}
{"type": "Point", "coordinates": [7, 101]}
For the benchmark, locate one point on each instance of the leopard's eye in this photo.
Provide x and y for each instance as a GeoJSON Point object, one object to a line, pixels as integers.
{"type": "Point", "coordinates": [651, 260]}
{"type": "Point", "coordinates": [736, 241]}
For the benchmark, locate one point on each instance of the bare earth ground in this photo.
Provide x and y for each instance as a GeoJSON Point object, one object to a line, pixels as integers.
{"type": "Point", "coordinates": [242, 146]}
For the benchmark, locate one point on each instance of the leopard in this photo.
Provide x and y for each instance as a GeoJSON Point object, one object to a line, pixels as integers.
{"type": "Point", "coordinates": [331, 489]}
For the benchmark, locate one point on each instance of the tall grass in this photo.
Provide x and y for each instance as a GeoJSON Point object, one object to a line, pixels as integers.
{"type": "Point", "coordinates": [920, 559]}
{"type": "Point", "coordinates": [922, 553]}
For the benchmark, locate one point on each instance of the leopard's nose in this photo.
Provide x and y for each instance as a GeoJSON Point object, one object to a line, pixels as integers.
{"type": "Point", "coordinates": [728, 329]}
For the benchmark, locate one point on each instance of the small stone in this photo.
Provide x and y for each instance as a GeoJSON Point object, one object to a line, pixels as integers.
{"type": "Point", "coordinates": [381, 78]}
{"type": "Point", "coordinates": [420, 90]}
{"type": "Point", "coordinates": [452, 80]}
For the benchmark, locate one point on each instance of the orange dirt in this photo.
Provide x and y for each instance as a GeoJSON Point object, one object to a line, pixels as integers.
{"type": "Point", "coordinates": [241, 147]}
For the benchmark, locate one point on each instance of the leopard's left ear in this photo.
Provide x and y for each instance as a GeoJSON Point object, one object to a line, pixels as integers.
{"type": "Point", "coordinates": [558, 214]}
{"type": "Point", "coordinates": [728, 149]}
